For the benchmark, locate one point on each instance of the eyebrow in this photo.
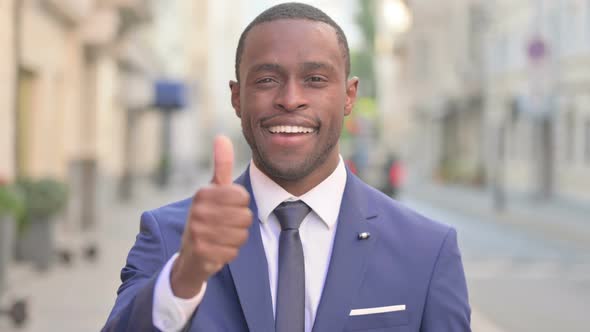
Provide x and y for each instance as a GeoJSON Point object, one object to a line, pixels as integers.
{"type": "Point", "coordinates": [308, 66]}
{"type": "Point", "coordinates": [266, 67]}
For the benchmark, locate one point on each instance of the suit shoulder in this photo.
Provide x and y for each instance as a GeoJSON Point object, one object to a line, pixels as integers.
{"type": "Point", "coordinates": [399, 215]}
{"type": "Point", "coordinates": [420, 220]}
{"type": "Point", "coordinates": [172, 211]}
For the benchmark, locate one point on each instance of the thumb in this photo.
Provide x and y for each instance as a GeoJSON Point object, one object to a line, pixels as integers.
{"type": "Point", "coordinates": [223, 157]}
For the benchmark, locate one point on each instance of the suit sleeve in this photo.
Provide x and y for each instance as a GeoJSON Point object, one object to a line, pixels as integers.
{"type": "Point", "coordinates": [133, 307]}
{"type": "Point", "coordinates": [447, 306]}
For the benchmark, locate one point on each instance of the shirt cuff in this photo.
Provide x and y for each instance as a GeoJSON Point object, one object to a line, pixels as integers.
{"type": "Point", "coordinates": [171, 313]}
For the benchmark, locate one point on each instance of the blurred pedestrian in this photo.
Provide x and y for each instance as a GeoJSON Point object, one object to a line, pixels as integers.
{"type": "Point", "coordinates": [297, 242]}
{"type": "Point", "coordinates": [394, 169]}
{"type": "Point", "coordinates": [351, 166]}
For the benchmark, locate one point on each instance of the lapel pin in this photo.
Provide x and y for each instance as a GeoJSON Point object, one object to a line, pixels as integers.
{"type": "Point", "coordinates": [364, 235]}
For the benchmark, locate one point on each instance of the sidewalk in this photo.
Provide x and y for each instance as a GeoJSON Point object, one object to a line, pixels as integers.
{"type": "Point", "coordinates": [79, 297]}
{"type": "Point", "coordinates": [554, 220]}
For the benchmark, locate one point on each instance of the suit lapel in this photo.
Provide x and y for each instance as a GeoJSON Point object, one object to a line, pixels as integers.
{"type": "Point", "coordinates": [250, 273]}
{"type": "Point", "coordinates": [349, 257]}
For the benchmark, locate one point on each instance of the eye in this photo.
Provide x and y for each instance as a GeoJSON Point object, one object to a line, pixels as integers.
{"type": "Point", "coordinates": [316, 81]}
{"type": "Point", "coordinates": [265, 80]}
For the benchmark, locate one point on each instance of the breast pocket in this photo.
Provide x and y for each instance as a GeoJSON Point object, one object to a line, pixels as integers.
{"type": "Point", "coordinates": [388, 321]}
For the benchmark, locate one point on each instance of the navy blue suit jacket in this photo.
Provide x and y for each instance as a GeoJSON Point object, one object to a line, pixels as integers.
{"type": "Point", "coordinates": [408, 260]}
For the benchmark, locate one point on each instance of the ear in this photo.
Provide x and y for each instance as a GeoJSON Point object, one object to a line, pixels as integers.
{"type": "Point", "coordinates": [351, 90]}
{"type": "Point", "coordinates": [235, 97]}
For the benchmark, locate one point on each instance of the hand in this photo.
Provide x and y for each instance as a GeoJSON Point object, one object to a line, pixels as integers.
{"type": "Point", "coordinates": [216, 227]}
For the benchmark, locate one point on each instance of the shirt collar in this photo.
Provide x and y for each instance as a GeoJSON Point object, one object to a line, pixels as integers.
{"type": "Point", "coordinates": [324, 199]}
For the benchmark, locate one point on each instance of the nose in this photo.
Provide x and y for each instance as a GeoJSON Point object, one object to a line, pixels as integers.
{"type": "Point", "coordinates": [291, 97]}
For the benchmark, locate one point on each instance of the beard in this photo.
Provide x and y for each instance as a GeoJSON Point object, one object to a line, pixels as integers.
{"type": "Point", "coordinates": [291, 171]}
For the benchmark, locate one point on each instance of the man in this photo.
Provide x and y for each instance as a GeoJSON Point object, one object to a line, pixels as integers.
{"type": "Point", "coordinates": [297, 242]}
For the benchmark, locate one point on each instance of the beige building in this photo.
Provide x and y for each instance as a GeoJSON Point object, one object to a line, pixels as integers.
{"type": "Point", "coordinates": [70, 109]}
{"type": "Point", "coordinates": [49, 91]}
{"type": "Point", "coordinates": [443, 72]}
{"type": "Point", "coordinates": [7, 166]}
{"type": "Point", "coordinates": [392, 21]}
{"type": "Point", "coordinates": [499, 92]}
{"type": "Point", "coordinates": [62, 114]}
{"type": "Point", "coordinates": [183, 36]}
{"type": "Point", "coordinates": [538, 81]}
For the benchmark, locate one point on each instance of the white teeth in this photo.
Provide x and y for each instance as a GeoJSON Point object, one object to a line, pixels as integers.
{"type": "Point", "coordinates": [290, 130]}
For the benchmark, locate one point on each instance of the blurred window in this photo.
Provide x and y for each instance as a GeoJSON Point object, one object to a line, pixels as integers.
{"type": "Point", "coordinates": [502, 52]}
{"type": "Point", "coordinates": [520, 55]}
{"type": "Point", "coordinates": [570, 25]}
{"type": "Point", "coordinates": [570, 133]}
{"type": "Point", "coordinates": [474, 32]}
{"type": "Point", "coordinates": [423, 55]}
{"type": "Point", "coordinates": [528, 139]}
{"type": "Point", "coordinates": [554, 31]}
{"type": "Point", "coordinates": [517, 134]}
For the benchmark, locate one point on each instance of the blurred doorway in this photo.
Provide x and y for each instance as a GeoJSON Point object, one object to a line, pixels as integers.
{"type": "Point", "coordinates": [546, 159]}
{"type": "Point", "coordinates": [25, 111]}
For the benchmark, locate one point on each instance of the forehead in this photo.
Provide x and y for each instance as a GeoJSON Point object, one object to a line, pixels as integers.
{"type": "Point", "coordinates": [292, 40]}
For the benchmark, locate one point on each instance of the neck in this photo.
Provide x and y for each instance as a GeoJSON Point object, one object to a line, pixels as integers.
{"type": "Point", "coordinates": [302, 185]}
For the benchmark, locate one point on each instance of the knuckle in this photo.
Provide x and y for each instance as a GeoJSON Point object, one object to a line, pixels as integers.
{"type": "Point", "coordinates": [245, 217]}
{"type": "Point", "coordinates": [196, 230]}
{"type": "Point", "coordinates": [244, 196]}
{"type": "Point", "coordinates": [243, 237]}
{"type": "Point", "coordinates": [248, 215]}
{"type": "Point", "coordinates": [240, 194]}
{"type": "Point", "coordinates": [199, 211]}
{"type": "Point", "coordinates": [200, 247]}
{"type": "Point", "coordinates": [211, 268]}
{"type": "Point", "coordinates": [201, 194]}
{"type": "Point", "coordinates": [232, 254]}
{"type": "Point", "coordinates": [205, 193]}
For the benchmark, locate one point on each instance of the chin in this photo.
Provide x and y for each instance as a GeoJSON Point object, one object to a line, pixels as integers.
{"type": "Point", "coordinates": [287, 171]}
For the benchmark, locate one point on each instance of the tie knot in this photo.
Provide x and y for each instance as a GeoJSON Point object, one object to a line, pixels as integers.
{"type": "Point", "coordinates": [291, 214]}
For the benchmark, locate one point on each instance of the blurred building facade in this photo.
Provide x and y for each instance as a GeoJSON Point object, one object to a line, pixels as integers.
{"type": "Point", "coordinates": [77, 106]}
{"type": "Point", "coordinates": [182, 39]}
{"type": "Point", "coordinates": [498, 90]}
{"type": "Point", "coordinates": [7, 130]}
{"type": "Point", "coordinates": [72, 70]}
{"type": "Point", "coordinates": [392, 21]}
{"type": "Point", "coordinates": [62, 113]}
{"type": "Point", "coordinates": [538, 57]}
{"type": "Point", "coordinates": [51, 48]}
{"type": "Point", "coordinates": [445, 78]}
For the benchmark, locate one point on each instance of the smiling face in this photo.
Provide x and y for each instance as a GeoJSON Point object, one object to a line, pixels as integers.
{"type": "Point", "coordinates": [292, 97]}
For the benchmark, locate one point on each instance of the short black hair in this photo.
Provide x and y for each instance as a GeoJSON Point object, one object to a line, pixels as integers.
{"type": "Point", "coordinates": [294, 10]}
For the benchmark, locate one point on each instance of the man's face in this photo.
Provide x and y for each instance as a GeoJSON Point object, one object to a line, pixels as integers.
{"type": "Point", "coordinates": [292, 97]}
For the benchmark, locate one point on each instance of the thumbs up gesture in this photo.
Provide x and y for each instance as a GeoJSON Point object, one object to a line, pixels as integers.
{"type": "Point", "coordinates": [216, 227]}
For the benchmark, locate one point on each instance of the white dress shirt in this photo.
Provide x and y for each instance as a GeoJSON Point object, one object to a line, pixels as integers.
{"type": "Point", "coordinates": [317, 237]}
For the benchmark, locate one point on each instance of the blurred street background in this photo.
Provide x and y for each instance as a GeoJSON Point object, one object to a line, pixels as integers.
{"type": "Point", "coordinates": [475, 113]}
